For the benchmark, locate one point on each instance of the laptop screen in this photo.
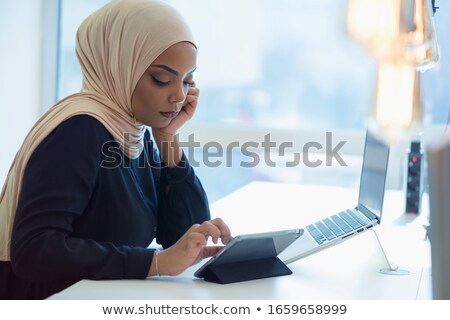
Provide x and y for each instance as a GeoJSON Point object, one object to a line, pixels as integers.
{"type": "Point", "coordinates": [373, 176]}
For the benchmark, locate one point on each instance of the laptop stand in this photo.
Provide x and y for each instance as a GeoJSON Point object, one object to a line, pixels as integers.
{"type": "Point", "coordinates": [392, 269]}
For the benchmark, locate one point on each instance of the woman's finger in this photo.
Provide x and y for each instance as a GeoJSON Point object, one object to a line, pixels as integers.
{"type": "Point", "coordinates": [208, 229]}
{"type": "Point", "coordinates": [225, 233]}
{"type": "Point", "coordinates": [193, 91]}
{"type": "Point", "coordinates": [209, 251]}
{"type": "Point", "coordinates": [196, 240]}
{"type": "Point", "coordinates": [215, 228]}
{"type": "Point", "coordinates": [190, 99]}
{"type": "Point", "coordinates": [189, 107]}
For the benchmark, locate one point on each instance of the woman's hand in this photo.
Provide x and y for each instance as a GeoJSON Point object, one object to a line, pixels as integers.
{"type": "Point", "coordinates": [186, 112]}
{"type": "Point", "coordinates": [191, 247]}
{"type": "Point", "coordinates": [165, 138]}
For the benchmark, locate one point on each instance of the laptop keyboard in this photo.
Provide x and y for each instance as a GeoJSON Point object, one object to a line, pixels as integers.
{"type": "Point", "coordinates": [345, 222]}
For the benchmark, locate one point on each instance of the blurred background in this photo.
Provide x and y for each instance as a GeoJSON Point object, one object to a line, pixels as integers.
{"type": "Point", "coordinates": [286, 68]}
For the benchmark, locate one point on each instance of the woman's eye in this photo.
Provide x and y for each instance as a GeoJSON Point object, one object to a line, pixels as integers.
{"type": "Point", "coordinates": [188, 83]}
{"type": "Point", "coordinates": [159, 82]}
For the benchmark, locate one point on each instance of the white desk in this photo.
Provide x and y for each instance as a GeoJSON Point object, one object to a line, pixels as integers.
{"type": "Point", "coordinates": [346, 271]}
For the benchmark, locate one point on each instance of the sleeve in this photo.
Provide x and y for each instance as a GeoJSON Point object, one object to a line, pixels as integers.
{"type": "Point", "coordinates": [58, 182]}
{"type": "Point", "coordinates": [182, 202]}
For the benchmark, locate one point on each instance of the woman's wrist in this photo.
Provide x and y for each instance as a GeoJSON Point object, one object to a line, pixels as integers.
{"type": "Point", "coordinates": [156, 263]}
{"type": "Point", "coordinates": [169, 148]}
{"type": "Point", "coordinates": [154, 266]}
{"type": "Point", "coordinates": [161, 265]}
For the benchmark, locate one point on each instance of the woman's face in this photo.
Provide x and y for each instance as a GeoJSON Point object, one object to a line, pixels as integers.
{"type": "Point", "coordinates": [162, 89]}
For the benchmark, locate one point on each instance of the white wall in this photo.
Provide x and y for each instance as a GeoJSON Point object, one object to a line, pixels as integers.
{"type": "Point", "coordinates": [20, 74]}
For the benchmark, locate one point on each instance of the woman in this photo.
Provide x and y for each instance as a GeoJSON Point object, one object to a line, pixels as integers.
{"type": "Point", "coordinates": [88, 191]}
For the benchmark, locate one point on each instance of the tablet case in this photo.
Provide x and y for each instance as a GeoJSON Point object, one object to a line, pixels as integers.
{"type": "Point", "coordinates": [245, 270]}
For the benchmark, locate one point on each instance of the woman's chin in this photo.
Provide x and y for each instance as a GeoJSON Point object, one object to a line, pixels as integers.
{"type": "Point", "coordinates": [159, 124]}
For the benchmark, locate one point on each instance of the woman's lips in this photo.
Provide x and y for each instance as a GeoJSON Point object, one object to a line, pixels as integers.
{"type": "Point", "coordinates": [169, 115]}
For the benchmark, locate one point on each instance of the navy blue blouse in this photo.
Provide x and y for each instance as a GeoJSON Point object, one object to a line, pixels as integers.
{"type": "Point", "coordinates": [86, 211]}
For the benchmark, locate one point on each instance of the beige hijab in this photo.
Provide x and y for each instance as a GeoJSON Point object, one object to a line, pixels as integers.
{"type": "Point", "coordinates": [115, 45]}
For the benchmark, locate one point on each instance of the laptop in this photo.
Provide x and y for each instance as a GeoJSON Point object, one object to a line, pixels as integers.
{"type": "Point", "coordinates": [351, 222]}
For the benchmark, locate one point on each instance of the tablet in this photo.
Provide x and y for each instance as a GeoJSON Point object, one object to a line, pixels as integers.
{"type": "Point", "coordinates": [249, 247]}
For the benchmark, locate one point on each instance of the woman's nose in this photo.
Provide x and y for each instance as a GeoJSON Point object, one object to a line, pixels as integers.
{"type": "Point", "coordinates": [179, 95]}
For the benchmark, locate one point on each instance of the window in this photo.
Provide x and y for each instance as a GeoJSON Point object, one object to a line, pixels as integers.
{"type": "Point", "coordinates": [270, 64]}
{"type": "Point", "coordinates": [274, 65]}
